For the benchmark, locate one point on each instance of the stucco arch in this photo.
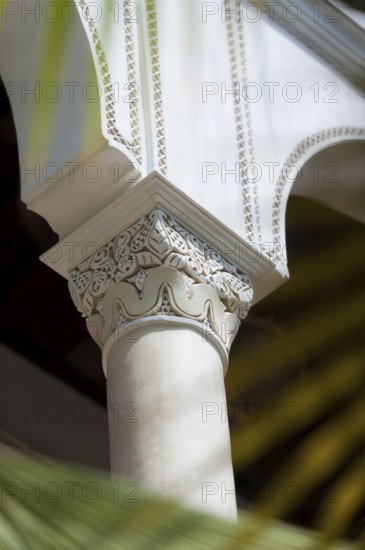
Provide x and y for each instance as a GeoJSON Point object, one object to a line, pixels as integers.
{"type": "Point", "coordinates": [300, 155]}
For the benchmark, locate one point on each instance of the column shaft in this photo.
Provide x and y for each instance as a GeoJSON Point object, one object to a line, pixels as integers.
{"type": "Point", "coordinates": [162, 390]}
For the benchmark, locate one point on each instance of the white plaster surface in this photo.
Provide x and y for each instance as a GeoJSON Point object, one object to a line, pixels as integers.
{"type": "Point", "coordinates": [161, 433]}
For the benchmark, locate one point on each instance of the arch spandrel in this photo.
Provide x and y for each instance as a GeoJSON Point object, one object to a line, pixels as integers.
{"type": "Point", "coordinates": [194, 123]}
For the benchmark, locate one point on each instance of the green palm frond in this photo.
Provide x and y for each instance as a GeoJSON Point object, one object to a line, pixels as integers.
{"type": "Point", "coordinates": [47, 506]}
{"type": "Point", "coordinates": [323, 444]}
{"type": "Point", "coordinates": [340, 377]}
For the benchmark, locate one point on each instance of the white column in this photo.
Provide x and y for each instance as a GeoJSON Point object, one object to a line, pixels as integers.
{"type": "Point", "coordinates": [165, 307]}
{"type": "Point", "coordinates": [167, 422]}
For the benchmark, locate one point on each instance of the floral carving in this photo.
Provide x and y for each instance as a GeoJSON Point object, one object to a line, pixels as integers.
{"type": "Point", "coordinates": [157, 239]}
{"type": "Point", "coordinates": [151, 251]}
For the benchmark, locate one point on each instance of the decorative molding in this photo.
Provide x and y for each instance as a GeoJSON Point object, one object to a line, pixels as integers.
{"type": "Point", "coordinates": [132, 77]}
{"type": "Point", "coordinates": [155, 267]}
{"type": "Point", "coordinates": [243, 122]}
{"type": "Point", "coordinates": [165, 293]}
{"type": "Point", "coordinates": [297, 155]}
{"type": "Point", "coordinates": [156, 83]}
{"type": "Point", "coordinates": [133, 146]}
{"type": "Point", "coordinates": [155, 191]}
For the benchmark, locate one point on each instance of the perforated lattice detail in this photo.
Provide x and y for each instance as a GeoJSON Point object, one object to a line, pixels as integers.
{"type": "Point", "coordinates": [281, 186]}
{"type": "Point", "coordinates": [134, 146]}
{"type": "Point", "coordinates": [156, 81]}
{"type": "Point", "coordinates": [243, 122]}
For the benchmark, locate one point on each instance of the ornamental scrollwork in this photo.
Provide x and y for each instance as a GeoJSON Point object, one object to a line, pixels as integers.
{"type": "Point", "coordinates": [158, 240]}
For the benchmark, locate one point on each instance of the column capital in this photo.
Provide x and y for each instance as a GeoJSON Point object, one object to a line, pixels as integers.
{"type": "Point", "coordinates": [156, 192]}
{"type": "Point", "coordinates": [157, 267]}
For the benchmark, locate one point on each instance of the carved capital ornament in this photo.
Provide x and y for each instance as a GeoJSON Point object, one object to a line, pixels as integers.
{"type": "Point", "coordinates": [156, 267]}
